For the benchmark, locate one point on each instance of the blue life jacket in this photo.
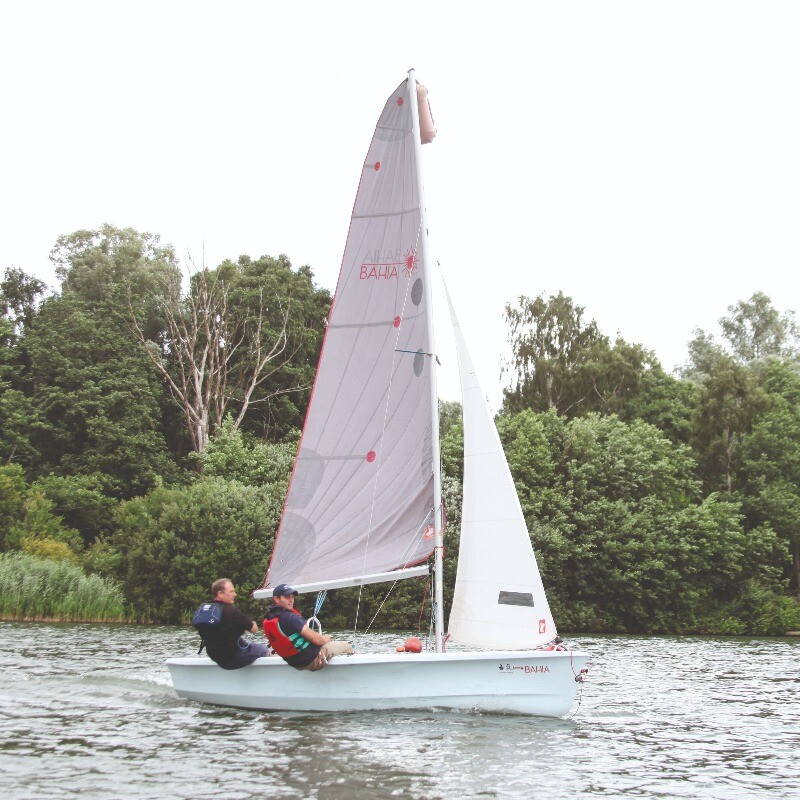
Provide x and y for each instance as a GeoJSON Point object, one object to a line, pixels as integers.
{"type": "Point", "coordinates": [207, 618]}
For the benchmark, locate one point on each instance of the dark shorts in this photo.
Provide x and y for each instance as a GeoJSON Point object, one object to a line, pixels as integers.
{"type": "Point", "coordinates": [247, 653]}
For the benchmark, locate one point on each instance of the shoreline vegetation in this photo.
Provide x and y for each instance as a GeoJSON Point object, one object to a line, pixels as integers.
{"type": "Point", "coordinates": [38, 589]}
{"type": "Point", "coordinates": [138, 463]}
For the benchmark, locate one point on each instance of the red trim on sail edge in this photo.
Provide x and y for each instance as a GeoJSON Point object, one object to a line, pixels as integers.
{"type": "Point", "coordinates": [321, 354]}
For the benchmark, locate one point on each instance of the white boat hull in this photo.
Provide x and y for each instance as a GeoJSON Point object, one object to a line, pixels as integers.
{"type": "Point", "coordinates": [542, 683]}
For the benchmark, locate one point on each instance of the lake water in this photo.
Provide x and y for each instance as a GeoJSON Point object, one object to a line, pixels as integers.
{"type": "Point", "coordinates": [88, 710]}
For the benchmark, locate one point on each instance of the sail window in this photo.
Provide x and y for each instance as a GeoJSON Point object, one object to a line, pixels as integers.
{"type": "Point", "coordinates": [304, 539]}
{"type": "Point", "coordinates": [416, 292]}
{"type": "Point", "coordinates": [307, 478]}
{"type": "Point", "coordinates": [515, 599]}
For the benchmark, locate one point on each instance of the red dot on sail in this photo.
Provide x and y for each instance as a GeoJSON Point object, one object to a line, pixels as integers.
{"type": "Point", "coordinates": [396, 322]}
{"type": "Point", "coordinates": [377, 165]}
{"type": "Point", "coordinates": [399, 101]}
{"type": "Point", "coordinates": [371, 456]}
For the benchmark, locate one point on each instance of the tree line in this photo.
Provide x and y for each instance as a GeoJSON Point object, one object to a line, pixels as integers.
{"type": "Point", "coordinates": [149, 419]}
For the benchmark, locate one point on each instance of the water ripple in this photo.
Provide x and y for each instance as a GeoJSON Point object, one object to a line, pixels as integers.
{"type": "Point", "coordinates": [89, 710]}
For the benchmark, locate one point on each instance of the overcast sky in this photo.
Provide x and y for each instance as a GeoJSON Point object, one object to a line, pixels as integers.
{"type": "Point", "coordinates": [643, 157]}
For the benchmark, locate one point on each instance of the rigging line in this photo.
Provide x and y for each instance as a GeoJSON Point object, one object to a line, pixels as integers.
{"type": "Point", "coordinates": [422, 606]}
{"type": "Point", "coordinates": [383, 602]}
{"type": "Point", "coordinates": [573, 714]}
{"type": "Point", "coordinates": [380, 449]}
{"type": "Point", "coordinates": [411, 543]}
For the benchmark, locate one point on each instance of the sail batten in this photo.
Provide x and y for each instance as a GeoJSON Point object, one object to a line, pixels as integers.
{"type": "Point", "coordinates": [387, 214]}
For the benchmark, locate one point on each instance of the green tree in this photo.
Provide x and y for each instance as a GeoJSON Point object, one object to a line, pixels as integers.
{"type": "Point", "coordinates": [755, 329]}
{"type": "Point", "coordinates": [561, 362]}
{"type": "Point", "coordinates": [112, 270]}
{"type": "Point", "coordinates": [82, 501]}
{"type": "Point", "coordinates": [624, 483]}
{"type": "Point", "coordinates": [13, 494]}
{"type": "Point", "coordinates": [623, 536]}
{"type": "Point", "coordinates": [95, 399]}
{"type": "Point", "coordinates": [245, 336]}
{"type": "Point", "coordinates": [451, 439]}
{"type": "Point", "coordinates": [27, 519]}
{"type": "Point", "coordinates": [729, 401]}
{"type": "Point", "coordinates": [233, 456]}
{"type": "Point", "coordinates": [175, 542]}
{"type": "Point", "coordinates": [272, 283]}
{"type": "Point", "coordinates": [666, 402]}
{"type": "Point", "coordinates": [20, 295]}
{"type": "Point", "coordinates": [531, 442]}
{"type": "Point", "coordinates": [770, 461]}
{"type": "Point", "coordinates": [18, 421]}
{"type": "Point", "coordinates": [550, 344]}
{"type": "Point", "coordinates": [704, 355]}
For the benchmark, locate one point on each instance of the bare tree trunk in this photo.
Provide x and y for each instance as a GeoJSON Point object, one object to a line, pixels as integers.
{"type": "Point", "coordinates": [202, 337]}
{"type": "Point", "coordinates": [730, 446]}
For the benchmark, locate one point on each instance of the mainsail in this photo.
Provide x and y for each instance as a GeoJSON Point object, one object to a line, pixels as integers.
{"type": "Point", "coordinates": [361, 497]}
{"type": "Point", "coordinates": [499, 600]}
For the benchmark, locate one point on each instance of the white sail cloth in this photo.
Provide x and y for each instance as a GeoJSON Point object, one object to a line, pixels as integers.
{"type": "Point", "coordinates": [499, 600]}
{"type": "Point", "coordinates": [360, 500]}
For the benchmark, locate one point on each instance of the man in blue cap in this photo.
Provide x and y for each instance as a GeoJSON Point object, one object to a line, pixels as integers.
{"type": "Point", "coordinates": [292, 639]}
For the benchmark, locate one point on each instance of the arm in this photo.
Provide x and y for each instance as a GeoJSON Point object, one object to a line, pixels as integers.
{"type": "Point", "coordinates": [310, 635]}
{"type": "Point", "coordinates": [233, 616]}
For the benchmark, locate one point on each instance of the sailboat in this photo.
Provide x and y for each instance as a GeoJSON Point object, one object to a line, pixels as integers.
{"type": "Point", "coordinates": [364, 500]}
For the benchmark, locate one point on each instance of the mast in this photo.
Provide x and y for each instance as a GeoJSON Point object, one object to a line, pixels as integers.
{"type": "Point", "coordinates": [438, 591]}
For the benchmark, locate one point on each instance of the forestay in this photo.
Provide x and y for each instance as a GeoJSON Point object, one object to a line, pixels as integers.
{"type": "Point", "coordinates": [499, 600]}
{"type": "Point", "coordinates": [361, 497]}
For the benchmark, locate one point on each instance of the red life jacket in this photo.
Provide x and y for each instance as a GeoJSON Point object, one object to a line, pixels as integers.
{"type": "Point", "coordinates": [278, 641]}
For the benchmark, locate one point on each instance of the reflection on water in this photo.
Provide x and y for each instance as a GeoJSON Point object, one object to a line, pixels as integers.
{"type": "Point", "coordinates": [88, 710]}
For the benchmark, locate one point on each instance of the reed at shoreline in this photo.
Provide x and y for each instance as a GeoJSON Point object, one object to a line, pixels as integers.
{"type": "Point", "coordinates": [37, 589]}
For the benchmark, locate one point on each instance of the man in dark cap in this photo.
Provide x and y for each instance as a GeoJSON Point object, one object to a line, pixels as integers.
{"type": "Point", "coordinates": [292, 639]}
{"type": "Point", "coordinates": [222, 641]}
